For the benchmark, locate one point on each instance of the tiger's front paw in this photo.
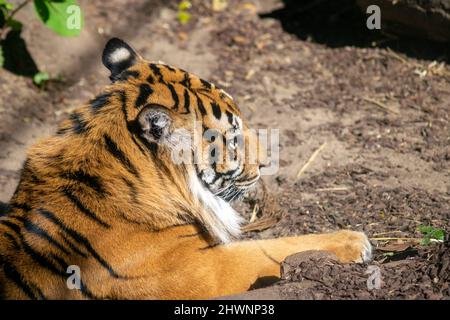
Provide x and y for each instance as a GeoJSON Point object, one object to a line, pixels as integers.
{"type": "Point", "coordinates": [351, 246]}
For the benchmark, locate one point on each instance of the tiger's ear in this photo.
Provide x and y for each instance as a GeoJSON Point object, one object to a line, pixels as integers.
{"type": "Point", "coordinates": [155, 123]}
{"type": "Point", "coordinates": [118, 56]}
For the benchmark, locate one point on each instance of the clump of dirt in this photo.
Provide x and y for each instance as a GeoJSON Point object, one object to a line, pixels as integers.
{"type": "Point", "coordinates": [425, 276]}
{"type": "Point", "coordinates": [313, 275]}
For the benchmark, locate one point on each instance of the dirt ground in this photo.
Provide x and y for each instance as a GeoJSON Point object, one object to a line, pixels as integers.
{"type": "Point", "coordinates": [366, 115]}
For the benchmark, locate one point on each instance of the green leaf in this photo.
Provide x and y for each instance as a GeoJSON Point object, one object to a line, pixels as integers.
{"type": "Point", "coordinates": [431, 233]}
{"type": "Point", "coordinates": [438, 234]}
{"type": "Point", "coordinates": [62, 16]}
{"type": "Point", "coordinates": [2, 58]}
{"type": "Point", "coordinates": [2, 17]}
{"type": "Point", "coordinates": [184, 17]}
{"type": "Point", "coordinates": [40, 78]}
{"type": "Point", "coordinates": [6, 4]}
{"type": "Point", "coordinates": [425, 229]}
{"type": "Point", "coordinates": [184, 5]}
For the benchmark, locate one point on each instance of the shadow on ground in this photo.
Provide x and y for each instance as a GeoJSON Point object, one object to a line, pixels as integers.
{"type": "Point", "coordinates": [341, 23]}
{"type": "Point", "coordinates": [18, 59]}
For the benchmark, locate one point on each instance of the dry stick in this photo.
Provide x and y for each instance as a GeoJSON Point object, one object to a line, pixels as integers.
{"type": "Point", "coordinates": [310, 160]}
{"type": "Point", "coordinates": [5, 27]}
{"type": "Point", "coordinates": [387, 232]}
{"type": "Point", "coordinates": [398, 57]}
{"type": "Point", "coordinates": [333, 189]}
{"type": "Point", "coordinates": [255, 210]}
{"type": "Point", "coordinates": [380, 104]}
{"type": "Point", "coordinates": [19, 7]}
{"type": "Point", "coordinates": [411, 64]}
{"type": "Point", "coordinates": [393, 238]}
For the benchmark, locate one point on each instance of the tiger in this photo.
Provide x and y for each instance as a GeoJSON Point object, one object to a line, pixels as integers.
{"type": "Point", "coordinates": [104, 200]}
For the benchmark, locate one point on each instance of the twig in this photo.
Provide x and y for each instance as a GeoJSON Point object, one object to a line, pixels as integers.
{"type": "Point", "coordinates": [4, 30]}
{"type": "Point", "coordinates": [394, 238]}
{"type": "Point", "coordinates": [380, 104]}
{"type": "Point", "coordinates": [428, 68]}
{"type": "Point", "coordinates": [387, 232]}
{"type": "Point", "coordinates": [333, 189]}
{"type": "Point", "coordinates": [398, 57]}
{"type": "Point", "coordinates": [310, 160]}
{"type": "Point", "coordinates": [20, 6]}
{"type": "Point", "coordinates": [255, 211]}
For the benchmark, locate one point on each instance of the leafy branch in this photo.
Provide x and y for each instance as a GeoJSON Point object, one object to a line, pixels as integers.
{"type": "Point", "coordinates": [64, 17]}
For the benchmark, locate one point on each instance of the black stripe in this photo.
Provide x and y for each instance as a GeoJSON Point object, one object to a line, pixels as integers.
{"type": "Point", "coordinates": [144, 92]}
{"type": "Point", "coordinates": [186, 80]}
{"type": "Point", "coordinates": [100, 101]}
{"type": "Point", "coordinates": [200, 105]}
{"type": "Point", "coordinates": [156, 71]}
{"type": "Point", "coordinates": [174, 94]}
{"type": "Point", "coordinates": [86, 292]}
{"type": "Point", "coordinates": [12, 274]}
{"type": "Point", "coordinates": [150, 79]}
{"type": "Point", "coordinates": [62, 131]}
{"type": "Point", "coordinates": [31, 227]}
{"type": "Point", "coordinates": [19, 218]}
{"type": "Point", "coordinates": [15, 228]}
{"type": "Point", "coordinates": [82, 208]}
{"type": "Point", "coordinates": [132, 188]}
{"type": "Point", "coordinates": [73, 246]}
{"type": "Point", "coordinates": [152, 146]}
{"type": "Point", "coordinates": [80, 239]}
{"type": "Point", "coordinates": [41, 259]}
{"type": "Point", "coordinates": [216, 110]}
{"type": "Point", "coordinates": [229, 117]}
{"type": "Point", "coordinates": [136, 142]}
{"type": "Point", "coordinates": [187, 101]}
{"type": "Point", "coordinates": [232, 107]}
{"type": "Point", "coordinates": [62, 263]}
{"type": "Point", "coordinates": [112, 147]}
{"type": "Point", "coordinates": [4, 209]}
{"type": "Point", "coordinates": [123, 99]}
{"type": "Point", "coordinates": [205, 84]}
{"type": "Point", "coordinates": [12, 239]}
{"type": "Point", "coordinates": [125, 75]}
{"type": "Point", "coordinates": [78, 124]}
{"type": "Point", "coordinates": [170, 68]}
{"type": "Point", "coordinates": [129, 220]}
{"type": "Point", "coordinates": [22, 206]}
{"type": "Point", "coordinates": [93, 182]}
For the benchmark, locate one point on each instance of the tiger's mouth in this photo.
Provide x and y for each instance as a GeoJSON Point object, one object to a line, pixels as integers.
{"type": "Point", "coordinates": [237, 190]}
{"type": "Point", "coordinates": [233, 189]}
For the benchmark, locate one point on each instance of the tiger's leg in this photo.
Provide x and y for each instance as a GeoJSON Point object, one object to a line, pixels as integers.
{"type": "Point", "coordinates": [184, 266]}
{"type": "Point", "coordinates": [241, 264]}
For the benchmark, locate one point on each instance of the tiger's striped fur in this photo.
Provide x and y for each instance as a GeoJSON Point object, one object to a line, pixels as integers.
{"type": "Point", "coordinates": [103, 194]}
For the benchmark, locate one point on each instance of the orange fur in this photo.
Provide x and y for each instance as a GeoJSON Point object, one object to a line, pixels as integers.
{"type": "Point", "coordinates": [98, 196]}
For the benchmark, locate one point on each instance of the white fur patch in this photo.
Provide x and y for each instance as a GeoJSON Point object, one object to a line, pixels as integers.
{"type": "Point", "coordinates": [227, 221]}
{"type": "Point", "coordinates": [118, 55]}
{"type": "Point", "coordinates": [208, 175]}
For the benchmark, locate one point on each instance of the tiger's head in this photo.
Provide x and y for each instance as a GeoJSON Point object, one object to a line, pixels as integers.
{"type": "Point", "coordinates": [179, 111]}
{"type": "Point", "coordinates": [193, 126]}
